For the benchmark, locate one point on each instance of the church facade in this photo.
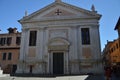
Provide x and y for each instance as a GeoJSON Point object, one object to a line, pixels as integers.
{"type": "Point", "coordinates": [60, 39]}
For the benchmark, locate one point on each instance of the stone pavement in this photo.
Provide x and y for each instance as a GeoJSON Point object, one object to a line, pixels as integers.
{"type": "Point", "coordinates": [46, 78]}
{"type": "Point", "coordinates": [81, 77]}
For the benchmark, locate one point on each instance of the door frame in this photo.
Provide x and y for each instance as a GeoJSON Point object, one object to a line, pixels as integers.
{"type": "Point", "coordinates": [66, 61]}
{"type": "Point", "coordinates": [51, 61]}
{"type": "Point", "coordinates": [62, 58]}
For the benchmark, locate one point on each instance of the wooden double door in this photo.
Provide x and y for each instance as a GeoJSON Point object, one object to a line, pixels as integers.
{"type": "Point", "coordinates": [58, 63]}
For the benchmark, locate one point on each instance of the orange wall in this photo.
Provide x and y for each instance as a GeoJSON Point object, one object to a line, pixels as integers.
{"type": "Point", "coordinates": [115, 52]}
{"type": "Point", "coordinates": [12, 48]}
{"type": "Point", "coordinates": [14, 60]}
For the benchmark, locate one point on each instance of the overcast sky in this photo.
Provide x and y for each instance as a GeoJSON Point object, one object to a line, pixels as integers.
{"type": "Point", "coordinates": [13, 10]}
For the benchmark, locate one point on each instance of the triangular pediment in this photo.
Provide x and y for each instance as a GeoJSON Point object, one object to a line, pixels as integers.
{"type": "Point", "coordinates": [57, 10]}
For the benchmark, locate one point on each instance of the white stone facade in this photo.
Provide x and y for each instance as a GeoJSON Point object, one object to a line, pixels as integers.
{"type": "Point", "coordinates": [60, 33]}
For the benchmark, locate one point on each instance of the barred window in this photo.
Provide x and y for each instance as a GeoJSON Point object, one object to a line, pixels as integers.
{"type": "Point", "coordinates": [3, 41]}
{"type": "Point", "coordinates": [18, 40]}
{"type": "Point", "coordinates": [4, 56]}
{"type": "Point", "coordinates": [9, 56]}
{"type": "Point", "coordinates": [9, 40]}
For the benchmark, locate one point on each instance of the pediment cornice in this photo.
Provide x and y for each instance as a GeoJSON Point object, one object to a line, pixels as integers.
{"type": "Point", "coordinates": [65, 5]}
{"type": "Point", "coordinates": [60, 19]}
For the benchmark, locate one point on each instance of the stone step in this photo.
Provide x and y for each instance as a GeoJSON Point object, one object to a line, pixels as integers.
{"type": "Point", "coordinates": [1, 72]}
{"type": "Point", "coordinates": [3, 75]}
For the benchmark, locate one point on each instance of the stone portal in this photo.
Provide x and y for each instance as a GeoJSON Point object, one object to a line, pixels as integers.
{"type": "Point", "coordinates": [58, 63]}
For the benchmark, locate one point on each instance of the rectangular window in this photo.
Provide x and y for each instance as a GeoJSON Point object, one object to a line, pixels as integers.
{"type": "Point", "coordinates": [0, 41]}
{"type": "Point", "coordinates": [119, 33]}
{"type": "Point", "coordinates": [32, 38]}
{"type": "Point", "coordinates": [85, 36]}
{"type": "Point", "coordinates": [9, 40]}
{"type": "Point", "coordinates": [111, 49]}
{"type": "Point", "coordinates": [9, 56]}
{"type": "Point", "coordinates": [3, 41]}
{"type": "Point", "coordinates": [18, 40]}
{"type": "Point", "coordinates": [4, 56]}
{"type": "Point", "coordinates": [117, 45]}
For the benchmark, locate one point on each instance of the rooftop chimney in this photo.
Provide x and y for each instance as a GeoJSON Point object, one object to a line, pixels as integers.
{"type": "Point", "coordinates": [12, 30]}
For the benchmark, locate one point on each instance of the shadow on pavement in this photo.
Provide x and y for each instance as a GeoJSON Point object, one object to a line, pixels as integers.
{"type": "Point", "coordinates": [44, 75]}
{"type": "Point", "coordinates": [115, 77]}
{"type": "Point", "coordinates": [95, 77]}
{"type": "Point", "coordinates": [102, 77]}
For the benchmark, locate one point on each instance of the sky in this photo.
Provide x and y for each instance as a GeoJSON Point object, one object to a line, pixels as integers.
{"type": "Point", "coordinates": [13, 10]}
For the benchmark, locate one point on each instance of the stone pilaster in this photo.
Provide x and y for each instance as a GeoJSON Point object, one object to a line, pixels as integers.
{"type": "Point", "coordinates": [40, 44]}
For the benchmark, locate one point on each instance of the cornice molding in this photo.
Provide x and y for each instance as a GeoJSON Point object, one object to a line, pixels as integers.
{"type": "Point", "coordinates": [78, 9]}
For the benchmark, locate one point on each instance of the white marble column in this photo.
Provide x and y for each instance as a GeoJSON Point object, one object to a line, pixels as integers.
{"type": "Point", "coordinates": [79, 43]}
{"type": "Point", "coordinates": [74, 42]}
{"type": "Point", "coordinates": [95, 41]}
{"type": "Point", "coordinates": [39, 44]}
{"type": "Point", "coordinates": [66, 57]}
{"type": "Point", "coordinates": [23, 48]}
{"type": "Point", "coordinates": [46, 52]}
{"type": "Point", "coordinates": [74, 66]}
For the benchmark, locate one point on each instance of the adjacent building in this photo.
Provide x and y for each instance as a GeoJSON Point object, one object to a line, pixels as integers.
{"type": "Point", "coordinates": [106, 54]}
{"type": "Point", "coordinates": [9, 50]}
{"type": "Point", "coordinates": [117, 27]}
{"type": "Point", "coordinates": [115, 52]}
{"type": "Point", "coordinates": [111, 52]}
{"type": "Point", "coordinates": [60, 39]}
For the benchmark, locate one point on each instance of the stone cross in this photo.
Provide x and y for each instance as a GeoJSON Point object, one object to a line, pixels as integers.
{"type": "Point", "coordinates": [58, 12]}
